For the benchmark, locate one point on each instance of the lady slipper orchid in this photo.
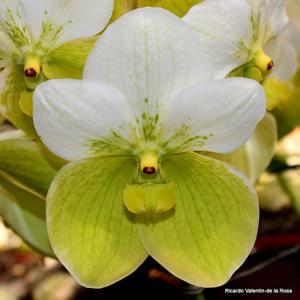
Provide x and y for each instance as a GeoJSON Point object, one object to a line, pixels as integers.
{"type": "Point", "coordinates": [134, 186]}
{"type": "Point", "coordinates": [240, 36]}
{"type": "Point", "coordinates": [34, 46]}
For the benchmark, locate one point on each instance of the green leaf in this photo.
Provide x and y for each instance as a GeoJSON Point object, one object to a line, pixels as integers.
{"type": "Point", "coordinates": [253, 158]}
{"type": "Point", "coordinates": [68, 60]}
{"type": "Point", "coordinates": [178, 7]}
{"type": "Point", "coordinates": [87, 223]}
{"type": "Point", "coordinates": [213, 226]}
{"type": "Point", "coordinates": [24, 160]}
{"type": "Point", "coordinates": [10, 96]}
{"type": "Point", "coordinates": [24, 211]}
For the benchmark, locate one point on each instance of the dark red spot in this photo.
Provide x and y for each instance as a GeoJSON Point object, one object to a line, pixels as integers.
{"type": "Point", "coordinates": [149, 170]}
{"type": "Point", "coordinates": [30, 73]}
{"type": "Point", "coordinates": [270, 65]}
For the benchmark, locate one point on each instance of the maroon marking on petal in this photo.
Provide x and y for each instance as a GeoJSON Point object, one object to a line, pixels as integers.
{"type": "Point", "coordinates": [270, 65]}
{"type": "Point", "coordinates": [149, 170]}
{"type": "Point", "coordinates": [30, 73]}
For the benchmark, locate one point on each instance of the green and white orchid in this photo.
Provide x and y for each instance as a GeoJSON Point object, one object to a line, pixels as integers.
{"type": "Point", "coordinates": [134, 186]}
{"type": "Point", "coordinates": [240, 36]}
{"type": "Point", "coordinates": [35, 45]}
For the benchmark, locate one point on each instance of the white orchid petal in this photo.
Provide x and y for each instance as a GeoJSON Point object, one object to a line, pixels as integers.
{"type": "Point", "coordinates": [50, 23]}
{"type": "Point", "coordinates": [273, 19]}
{"type": "Point", "coordinates": [224, 30]}
{"type": "Point", "coordinates": [13, 25]}
{"type": "Point", "coordinates": [150, 55]}
{"type": "Point", "coordinates": [78, 18]}
{"type": "Point", "coordinates": [78, 119]}
{"type": "Point", "coordinates": [218, 116]}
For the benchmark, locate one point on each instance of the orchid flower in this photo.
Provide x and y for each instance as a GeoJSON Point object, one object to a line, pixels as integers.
{"type": "Point", "coordinates": [237, 35]}
{"type": "Point", "coordinates": [134, 187]}
{"type": "Point", "coordinates": [35, 45]}
{"type": "Point", "coordinates": [240, 36]}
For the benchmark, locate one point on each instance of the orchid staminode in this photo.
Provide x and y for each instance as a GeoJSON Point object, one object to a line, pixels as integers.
{"type": "Point", "coordinates": [34, 46]}
{"type": "Point", "coordinates": [240, 36]}
{"type": "Point", "coordinates": [134, 186]}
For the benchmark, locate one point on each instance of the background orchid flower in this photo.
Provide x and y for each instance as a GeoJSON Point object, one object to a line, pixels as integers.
{"type": "Point", "coordinates": [280, 86]}
{"type": "Point", "coordinates": [35, 45]}
{"type": "Point", "coordinates": [236, 35]}
{"type": "Point", "coordinates": [134, 187]}
{"type": "Point", "coordinates": [240, 36]}
{"type": "Point", "coordinates": [287, 93]}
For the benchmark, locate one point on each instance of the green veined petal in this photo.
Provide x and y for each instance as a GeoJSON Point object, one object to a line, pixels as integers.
{"type": "Point", "coordinates": [68, 60]}
{"type": "Point", "coordinates": [87, 223]}
{"type": "Point", "coordinates": [24, 211]}
{"type": "Point", "coordinates": [24, 160]}
{"type": "Point", "coordinates": [213, 227]}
